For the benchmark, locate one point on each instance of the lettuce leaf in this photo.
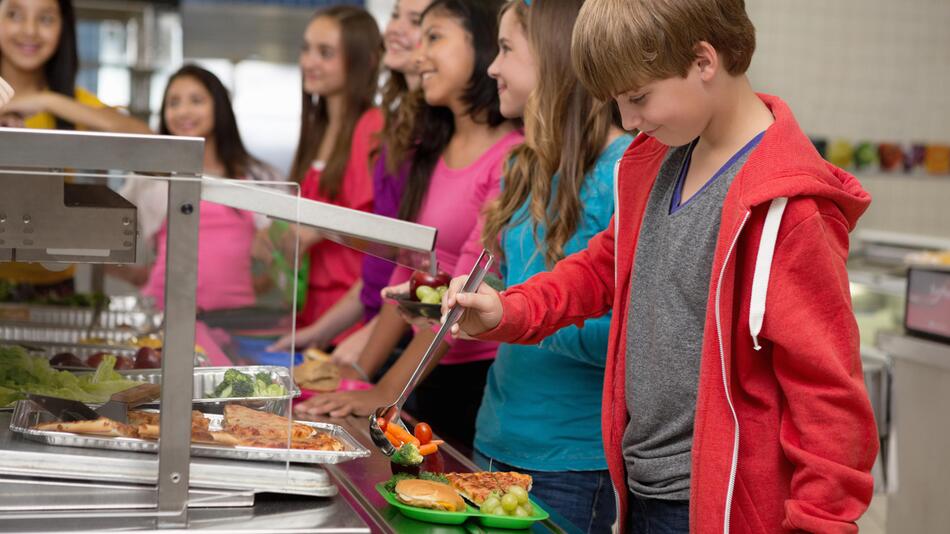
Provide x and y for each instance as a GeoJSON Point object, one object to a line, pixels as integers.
{"type": "Point", "coordinates": [22, 373]}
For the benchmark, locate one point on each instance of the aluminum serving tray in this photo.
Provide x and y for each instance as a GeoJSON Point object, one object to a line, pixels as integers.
{"type": "Point", "coordinates": [12, 332]}
{"type": "Point", "coordinates": [138, 320]}
{"type": "Point", "coordinates": [207, 379]}
{"type": "Point", "coordinates": [26, 415]}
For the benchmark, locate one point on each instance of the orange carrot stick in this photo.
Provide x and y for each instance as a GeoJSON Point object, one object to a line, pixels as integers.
{"type": "Point", "coordinates": [428, 448]}
{"type": "Point", "coordinates": [393, 439]}
{"type": "Point", "coordinates": [401, 433]}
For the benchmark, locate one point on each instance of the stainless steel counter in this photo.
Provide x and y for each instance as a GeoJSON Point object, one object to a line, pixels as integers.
{"type": "Point", "coordinates": [356, 508]}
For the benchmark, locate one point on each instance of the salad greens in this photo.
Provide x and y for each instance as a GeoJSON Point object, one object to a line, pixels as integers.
{"type": "Point", "coordinates": [22, 373]}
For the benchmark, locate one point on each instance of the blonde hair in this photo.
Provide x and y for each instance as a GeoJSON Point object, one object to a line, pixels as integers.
{"type": "Point", "coordinates": [565, 132]}
{"type": "Point", "coordinates": [622, 45]}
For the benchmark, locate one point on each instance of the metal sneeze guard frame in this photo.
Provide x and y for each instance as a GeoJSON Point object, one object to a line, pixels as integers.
{"type": "Point", "coordinates": [181, 160]}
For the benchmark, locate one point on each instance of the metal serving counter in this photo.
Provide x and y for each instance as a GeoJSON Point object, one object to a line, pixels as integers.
{"type": "Point", "coordinates": [357, 507]}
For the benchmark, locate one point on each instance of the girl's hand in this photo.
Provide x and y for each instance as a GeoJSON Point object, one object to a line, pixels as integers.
{"type": "Point", "coordinates": [27, 106]}
{"type": "Point", "coordinates": [483, 309]}
{"type": "Point", "coordinates": [6, 92]}
{"type": "Point", "coordinates": [392, 292]}
{"type": "Point", "coordinates": [306, 337]}
{"type": "Point", "coordinates": [343, 403]}
{"type": "Point", "coordinates": [262, 249]}
{"type": "Point", "coordinates": [10, 120]}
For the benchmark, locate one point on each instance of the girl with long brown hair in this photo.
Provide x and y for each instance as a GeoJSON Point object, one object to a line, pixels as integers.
{"type": "Point", "coordinates": [339, 61]}
{"type": "Point", "coordinates": [400, 103]}
{"type": "Point", "coordinates": [541, 410]}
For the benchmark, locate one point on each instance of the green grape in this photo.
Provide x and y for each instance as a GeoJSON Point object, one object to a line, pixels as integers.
{"type": "Point", "coordinates": [509, 502]}
{"type": "Point", "coordinates": [521, 512]}
{"type": "Point", "coordinates": [499, 511]}
{"type": "Point", "coordinates": [425, 293]}
{"type": "Point", "coordinates": [528, 508]}
{"type": "Point", "coordinates": [490, 504]}
{"type": "Point", "coordinates": [520, 493]}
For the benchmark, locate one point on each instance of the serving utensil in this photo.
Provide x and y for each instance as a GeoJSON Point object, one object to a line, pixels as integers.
{"type": "Point", "coordinates": [117, 408]}
{"type": "Point", "coordinates": [391, 413]}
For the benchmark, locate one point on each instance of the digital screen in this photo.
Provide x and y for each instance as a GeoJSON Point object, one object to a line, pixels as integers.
{"type": "Point", "coordinates": [928, 302]}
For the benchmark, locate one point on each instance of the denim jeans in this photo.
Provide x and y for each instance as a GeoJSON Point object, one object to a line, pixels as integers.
{"type": "Point", "coordinates": [656, 516]}
{"type": "Point", "coordinates": [584, 498]}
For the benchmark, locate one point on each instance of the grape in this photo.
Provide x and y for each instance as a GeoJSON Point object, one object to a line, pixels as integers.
{"type": "Point", "coordinates": [499, 511]}
{"type": "Point", "coordinates": [521, 512]}
{"type": "Point", "coordinates": [509, 502]}
{"type": "Point", "coordinates": [527, 508]}
{"type": "Point", "coordinates": [520, 493]}
{"type": "Point", "coordinates": [490, 504]}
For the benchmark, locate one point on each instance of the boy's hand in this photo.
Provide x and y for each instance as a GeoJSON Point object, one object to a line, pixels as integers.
{"type": "Point", "coordinates": [482, 308]}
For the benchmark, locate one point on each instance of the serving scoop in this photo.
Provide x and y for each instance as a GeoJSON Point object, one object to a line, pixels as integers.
{"type": "Point", "coordinates": [391, 412]}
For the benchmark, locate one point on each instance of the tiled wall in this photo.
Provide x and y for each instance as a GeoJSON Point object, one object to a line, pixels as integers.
{"type": "Point", "coordinates": [876, 70]}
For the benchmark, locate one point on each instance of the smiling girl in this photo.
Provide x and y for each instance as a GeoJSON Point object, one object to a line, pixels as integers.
{"type": "Point", "coordinates": [38, 60]}
{"type": "Point", "coordinates": [196, 104]}
{"type": "Point", "coordinates": [339, 63]}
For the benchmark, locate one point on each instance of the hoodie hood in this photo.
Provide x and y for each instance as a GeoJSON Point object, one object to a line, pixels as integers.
{"type": "Point", "coordinates": [786, 164]}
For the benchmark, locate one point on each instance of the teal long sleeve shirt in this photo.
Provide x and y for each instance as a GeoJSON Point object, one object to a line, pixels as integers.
{"type": "Point", "coordinates": [541, 409]}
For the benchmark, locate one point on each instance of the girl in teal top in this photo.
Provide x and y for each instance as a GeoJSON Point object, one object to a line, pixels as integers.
{"type": "Point", "coordinates": [540, 413]}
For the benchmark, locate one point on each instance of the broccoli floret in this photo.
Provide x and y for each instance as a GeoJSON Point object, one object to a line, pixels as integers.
{"type": "Point", "coordinates": [408, 454]}
{"type": "Point", "coordinates": [233, 375]}
{"type": "Point", "coordinates": [264, 376]}
{"type": "Point", "coordinates": [223, 391]}
{"type": "Point", "coordinates": [243, 388]}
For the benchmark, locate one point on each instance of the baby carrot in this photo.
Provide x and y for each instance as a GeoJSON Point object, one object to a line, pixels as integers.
{"type": "Point", "coordinates": [398, 431]}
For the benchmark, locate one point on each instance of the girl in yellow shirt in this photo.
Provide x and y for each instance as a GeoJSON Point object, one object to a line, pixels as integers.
{"type": "Point", "coordinates": [38, 59]}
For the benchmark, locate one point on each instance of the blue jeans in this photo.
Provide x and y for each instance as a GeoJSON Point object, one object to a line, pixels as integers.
{"type": "Point", "coordinates": [584, 498]}
{"type": "Point", "coordinates": [657, 516]}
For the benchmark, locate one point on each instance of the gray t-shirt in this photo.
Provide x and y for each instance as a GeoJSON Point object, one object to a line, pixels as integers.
{"type": "Point", "coordinates": [665, 324]}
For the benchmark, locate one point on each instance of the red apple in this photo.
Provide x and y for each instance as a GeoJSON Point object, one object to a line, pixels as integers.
{"type": "Point", "coordinates": [66, 359]}
{"type": "Point", "coordinates": [123, 362]}
{"type": "Point", "coordinates": [148, 358]}
{"type": "Point", "coordinates": [421, 278]}
{"type": "Point", "coordinates": [95, 359]}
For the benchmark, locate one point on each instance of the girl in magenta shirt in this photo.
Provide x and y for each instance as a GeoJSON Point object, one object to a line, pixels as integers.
{"type": "Point", "coordinates": [196, 104]}
{"type": "Point", "coordinates": [340, 63]}
{"type": "Point", "coordinates": [456, 167]}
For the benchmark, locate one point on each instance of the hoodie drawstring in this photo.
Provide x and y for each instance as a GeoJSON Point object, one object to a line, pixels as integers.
{"type": "Point", "coordinates": [763, 267]}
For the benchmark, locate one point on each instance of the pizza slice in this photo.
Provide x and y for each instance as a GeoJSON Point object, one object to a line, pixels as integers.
{"type": "Point", "coordinates": [476, 487]}
{"type": "Point", "coordinates": [102, 426]}
{"type": "Point", "coordinates": [320, 442]}
{"type": "Point", "coordinates": [243, 423]}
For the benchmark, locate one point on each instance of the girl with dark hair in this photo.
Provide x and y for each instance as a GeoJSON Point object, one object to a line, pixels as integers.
{"type": "Point", "coordinates": [196, 104]}
{"type": "Point", "coordinates": [390, 168]}
{"type": "Point", "coordinates": [541, 411]}
{"type": "Point", "coordinates": [38, 59]}
{"type": "Point", "coordinates": [462, 142]}
{"type": "Point", "coordinates": [339, 61]}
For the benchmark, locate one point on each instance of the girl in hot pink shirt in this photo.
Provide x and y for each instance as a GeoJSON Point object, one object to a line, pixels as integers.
{"type": "Point", "coordinates": [338, 130]}
{"type": "Point", "coordinates": [196, 104]}
{"type": "Point", "coordinates": [456, 167]}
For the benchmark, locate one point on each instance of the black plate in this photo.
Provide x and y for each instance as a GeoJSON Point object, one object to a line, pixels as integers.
{"type": "Point", "coordinates": [418, 309]}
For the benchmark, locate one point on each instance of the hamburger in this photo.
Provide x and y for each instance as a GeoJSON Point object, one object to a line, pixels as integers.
{"type": "Point", "coordinates": [317, 372]}
{"type": "Point", "coordinates": [429, 494]}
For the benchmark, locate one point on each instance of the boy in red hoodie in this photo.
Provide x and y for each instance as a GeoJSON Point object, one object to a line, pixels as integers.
{"type": "Point", "coordinates": [717, 415]}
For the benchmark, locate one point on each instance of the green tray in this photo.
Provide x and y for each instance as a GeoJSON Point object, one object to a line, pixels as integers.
{"type": "Point", "coordinates": [457, 518]}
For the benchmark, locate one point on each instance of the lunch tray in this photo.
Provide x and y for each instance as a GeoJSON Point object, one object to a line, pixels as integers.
{"type": "Point", "coordinates": [457, 518]}
{"type": "Point", "coordinates": [27, 414]}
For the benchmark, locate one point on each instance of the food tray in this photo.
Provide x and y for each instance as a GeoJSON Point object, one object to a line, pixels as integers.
{"type": "Point", "coordinates": [418, 309]}
{"type": "Point", "coordinates": [136, 320]}
{"type": "Point", "coordinates": [12, 332]}
{"type": "Point", "coordinates": [27, 414]}
{"type": "Point", "coordinates": [208, 378]}
{"type": "Point", "coordinates": [457, 518]}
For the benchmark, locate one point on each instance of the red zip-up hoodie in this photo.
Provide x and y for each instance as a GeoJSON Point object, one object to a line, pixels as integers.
{"type": "Point", "coordinates": [784, 437]}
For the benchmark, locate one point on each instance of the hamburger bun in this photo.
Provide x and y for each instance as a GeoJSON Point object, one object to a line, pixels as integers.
{"type": "Point", "coordinates": [317, 372]}
{"type": "Point", "coordinates": [429, 494]}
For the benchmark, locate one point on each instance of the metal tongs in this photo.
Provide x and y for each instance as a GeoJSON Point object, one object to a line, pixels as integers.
{"type": "Point", "coordinates": [391, 413]}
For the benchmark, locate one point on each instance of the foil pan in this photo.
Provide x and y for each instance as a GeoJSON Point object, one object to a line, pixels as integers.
{"type": "Point", "coordinates": [137, 320]}
{"type": "Point", "coordinates": [27, 414]}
